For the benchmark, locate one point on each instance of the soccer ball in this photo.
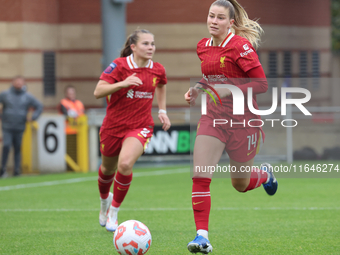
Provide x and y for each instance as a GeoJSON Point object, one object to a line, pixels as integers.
{"type": "Point", "coordinates": [132, 237]}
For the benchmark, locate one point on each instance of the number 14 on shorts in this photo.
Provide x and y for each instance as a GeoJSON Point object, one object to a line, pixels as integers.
{"type": "Point", "coordinates": [252, 141]}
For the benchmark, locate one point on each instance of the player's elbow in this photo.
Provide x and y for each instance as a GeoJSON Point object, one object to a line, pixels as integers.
{"type": "Point", "coordinates": [264, 85]}
{"type": "Point", "coordinates": [96, 94]}
{"type": "Point", "coordinates": [100, 89]}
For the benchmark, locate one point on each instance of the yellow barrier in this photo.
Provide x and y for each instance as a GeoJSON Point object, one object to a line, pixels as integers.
{"type": "Point", "coordinates": [82, 144]}
{"type": "Point", "coordinates": [78, 164]}
{"type": "Point", "coordinates": [82, 161]}
{"type": "Point", "coordinates": [72, 164]}
{"type": "Point", "coordinates": [27, 148]}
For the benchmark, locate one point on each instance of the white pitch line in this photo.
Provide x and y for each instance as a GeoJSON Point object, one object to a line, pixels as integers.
{"type": "Point", "coordinates": [182, 209]}
{"type": "Point", "coordinates": [92, 178]}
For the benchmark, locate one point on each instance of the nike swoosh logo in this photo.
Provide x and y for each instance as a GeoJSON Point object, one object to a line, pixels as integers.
{"type": "Point", "coordinates": [197, 203]}
{"type": "Point", "coordinates": [250, 152]}
{"type": "Point", "coordinates": [121, 189]}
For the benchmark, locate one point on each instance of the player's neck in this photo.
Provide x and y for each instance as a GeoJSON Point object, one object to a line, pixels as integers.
{"type": "Point", "coordinates": [140, 62]}
{"type": "Point", "coordinates": [218, 40]}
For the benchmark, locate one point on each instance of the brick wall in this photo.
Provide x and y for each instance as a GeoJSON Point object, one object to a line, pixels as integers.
{"type": "Point", "coordinates": [72, 29]}
{"type": "Point", "coordinates": [76, 11]}
{"type": "Point", "coordinates": [50, 11]}
{"type": "Point", "coordinates": [274, 12]}
{"type": "Point", "coordinates": [29, 11]}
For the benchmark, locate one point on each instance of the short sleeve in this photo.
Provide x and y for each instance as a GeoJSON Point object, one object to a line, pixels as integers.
{"type": "Point", "coordinates": [246, 57]}
{"type": "Point", "coordinates": [112, 73]}
{"type": "Point", "coordinates": [163, 80]}
{"type": "Point", "coordinates": [200, 46]}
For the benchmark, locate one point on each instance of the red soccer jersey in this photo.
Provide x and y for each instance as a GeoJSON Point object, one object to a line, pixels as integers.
{"type": "Point", "coordinates": [130, 108]}
{"type": "Point", "coordinates": [228, 63]}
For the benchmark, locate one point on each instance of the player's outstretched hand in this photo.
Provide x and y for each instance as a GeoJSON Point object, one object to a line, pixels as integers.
{"type": "Point", "coordinates": [191, 96]}
{"type": "Point", "coordinates": [132, 80]}
{"type": "Point", "coordinates": [164, 119]}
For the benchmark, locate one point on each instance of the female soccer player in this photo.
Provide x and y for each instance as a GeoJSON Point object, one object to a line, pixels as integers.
{"type": "Point", "coordinates": [129, 84]}
{"type": "Point", "coordinates": [227, 57]}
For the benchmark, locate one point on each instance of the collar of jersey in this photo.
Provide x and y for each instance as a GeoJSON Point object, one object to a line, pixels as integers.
{"type": "Point", "coordinates": [223, 43]}
{"type": "Point", "coordinates": [133, 65]}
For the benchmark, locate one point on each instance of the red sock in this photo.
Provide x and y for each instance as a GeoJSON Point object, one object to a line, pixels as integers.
{"type": "Point", "coordinates": [120, 188]}
{"type": "Point", "coordinates": [104, 183]}
{"type": "Point", "coordinates": [201, 202]}
{"type": "Point", "coordinates": [257, 177]}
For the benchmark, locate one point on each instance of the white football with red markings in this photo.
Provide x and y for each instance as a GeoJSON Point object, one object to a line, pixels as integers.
{"type": "Point", "coordinates": [132, 237]}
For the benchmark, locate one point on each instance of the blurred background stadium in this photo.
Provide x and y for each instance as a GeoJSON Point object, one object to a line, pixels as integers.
{"type": "Point", "coordinates": [55, 43]}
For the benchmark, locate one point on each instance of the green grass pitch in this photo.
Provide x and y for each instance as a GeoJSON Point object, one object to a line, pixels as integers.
{"type": "Point", "coordinates": [58, 214]}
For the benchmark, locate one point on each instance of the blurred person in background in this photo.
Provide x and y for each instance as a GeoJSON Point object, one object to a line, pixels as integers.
{"type": "Point", "coordinates": [228, 57]}
{"type": "Point", "coordinates": [72, 108]}
{"type": "Point", "coordinates": [16, 103]}
{"type": "Point", "coordinates": [129, 84]}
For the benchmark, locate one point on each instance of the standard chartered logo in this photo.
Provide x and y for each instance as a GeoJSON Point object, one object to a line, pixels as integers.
{"type": "Point", "coordinates": [130, 94]}
{"type": "Point", "coordinates": [139, 94]}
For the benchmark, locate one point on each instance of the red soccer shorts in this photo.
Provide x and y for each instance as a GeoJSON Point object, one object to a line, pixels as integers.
{"type": "Point", "coordinates": [110, 146]}
{"type": "Point", "coordinates": [241, 144]}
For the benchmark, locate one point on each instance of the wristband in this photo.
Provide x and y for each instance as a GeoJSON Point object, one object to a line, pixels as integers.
{"type": "Point", "coordinates": [161, 111]}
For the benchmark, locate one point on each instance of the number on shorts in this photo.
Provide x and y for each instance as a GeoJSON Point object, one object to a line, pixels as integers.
{"type": "Point", "coordinates": [252, 140]}
{"type": "Point", "coordinates": [145, 132]}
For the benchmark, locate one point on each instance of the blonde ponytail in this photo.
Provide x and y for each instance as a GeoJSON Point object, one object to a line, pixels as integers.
{"type": "Point", "coordinates": [243, 26]}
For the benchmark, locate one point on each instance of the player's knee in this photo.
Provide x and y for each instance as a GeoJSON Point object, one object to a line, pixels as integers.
{"type": "Point", "coordinates": [107, 170]}
{"type": "Point", "coordinates": [239, 185]}
{"type": "Point", "coordinates": [6, 146]}
{"type": "Point", "coordinates": [125, 167]}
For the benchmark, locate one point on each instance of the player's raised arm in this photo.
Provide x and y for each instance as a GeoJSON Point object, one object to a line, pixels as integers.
{"type": "Point", "coordinates": [104, 88]}
{"type": "Point", "coordinates": [193, 92]}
